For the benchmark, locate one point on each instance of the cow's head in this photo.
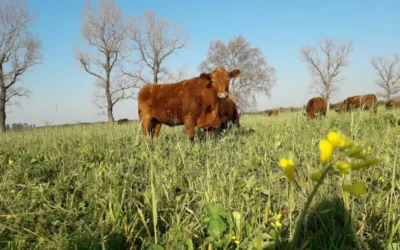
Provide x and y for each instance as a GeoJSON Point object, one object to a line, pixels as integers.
{"type": "Point", "coordinates": [389, 104]}
{"type": "Point", "coordinates": [219, 80]}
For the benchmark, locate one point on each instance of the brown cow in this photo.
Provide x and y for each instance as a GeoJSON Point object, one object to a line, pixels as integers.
{"type": "Point", "coordinates": [316, 105]}
{"type": "Point", "coordinates": [365, 102]}
{"type": "Point", "coordinates": [228, 112]}
{"type": "Point", "coordinates": [271, 112]}
{"type": "Point", "coordinates": [192, 102]}
{"type": "Point", "coordinates": [122, 121]}
{"type": "Point", "coordinates": [392, 104]}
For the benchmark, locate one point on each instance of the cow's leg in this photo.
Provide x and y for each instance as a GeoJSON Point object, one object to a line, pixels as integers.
{"type": "Point", "coordinates": [146, 125]}
{"type": "Point", "coordinates": [237, 120]}
{"type": "Point", "coordinates": [208, 132]}
{"type": "Point", "coordinates": [375, 109]}
{"type": "Point", "coordinates": [189, 127]}
{"type": "Point", "coordinates": [157, 127]}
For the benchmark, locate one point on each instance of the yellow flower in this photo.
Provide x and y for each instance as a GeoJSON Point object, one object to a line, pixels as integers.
{"type": "Point", "coordinates": [10, 162]}
{"type": "Point", "coordinates": [336, 139]}
{"type": "Point", "coordinates": [316, 175]}
{"type": "Point", "coordinates": [276, 224]}
{"type": "Point", "coordinates": [343, 167]}
{"type": "Point", "coordinates": [233, 237]}
{"type": "Point", "coordinates": [278, 216]}
{"type": "Point", "coordinates": [381, 179]}
{"type": "Point", "coordinates": [288, 167]}
{"type": "Point", "coordinates": [326, 149]}
{"type": "Point", "coordinates": [357, 188]}
{"type": "Point", "coordinates": [237, 242]}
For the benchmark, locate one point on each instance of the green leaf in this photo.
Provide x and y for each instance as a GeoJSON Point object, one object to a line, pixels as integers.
{"type": "Point", "coordinates": [394, 246]}
{"type": "Point", "coordinates": [156, 247]}
{"type": "Point", "coordinates": [216, 227]}
{"type": "Point", "coordinates": [189, 244]}
{"type": "Point", "coordinates": [214, 209]}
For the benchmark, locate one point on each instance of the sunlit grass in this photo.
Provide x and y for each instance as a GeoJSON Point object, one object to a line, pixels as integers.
{"type": "Point", "coordinates": [103, 186]}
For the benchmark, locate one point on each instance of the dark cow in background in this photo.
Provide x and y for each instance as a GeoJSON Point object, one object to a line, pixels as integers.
{"type": "Point", "coordinates": [228, 113]}
{"type": "Point", "coordinates": [365, 102]}
{"type": "Point", "coordinates": [392, 104]}
{"type": "Point", "coordinates": [316, 105]}
{"type": "Point", "coordinates": [192, 102]}
{"type": "Point", "coordinates": [122, 121]}
{"type": "Point", "coordinates": [271, 112]}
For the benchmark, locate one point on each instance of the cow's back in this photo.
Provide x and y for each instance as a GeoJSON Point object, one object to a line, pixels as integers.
{"type": "Point", "coordinates": [163, 102]}
{"type": "Point", "coordinates": [316, 105]}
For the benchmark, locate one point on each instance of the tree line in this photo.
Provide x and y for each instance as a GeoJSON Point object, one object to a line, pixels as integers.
{"type": "Point", "coordinates": [122, 53]}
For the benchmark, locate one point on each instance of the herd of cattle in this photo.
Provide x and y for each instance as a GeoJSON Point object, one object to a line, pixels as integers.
{"type": "Point", "coordinates": [203, 102]}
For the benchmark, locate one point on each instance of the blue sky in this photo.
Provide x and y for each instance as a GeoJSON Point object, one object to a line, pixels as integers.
{"type": "Point", "coordinates": [62, 91]}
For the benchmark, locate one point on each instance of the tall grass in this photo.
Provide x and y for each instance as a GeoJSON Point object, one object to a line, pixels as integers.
{"type": "Point", "coordinates": [105, 187]}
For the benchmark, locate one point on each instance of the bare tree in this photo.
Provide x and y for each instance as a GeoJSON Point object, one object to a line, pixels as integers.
{"type": "Point", "coordinates": [19, 50]}
{"type": "Point", "coordinates": [256, 76]}
{"type": "Point", "coordinates": [105, 29]}
{"type": "Point", "coordinates": [325, 71]}
{"type": "Point", "coordinates": [389, 75]}
{"type": "Point", "coordinates": [178, 75]}
{"type": "Point", "coordinates": [154, 40]}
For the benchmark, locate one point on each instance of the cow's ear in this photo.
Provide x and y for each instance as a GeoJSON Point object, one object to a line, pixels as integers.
{"type": "Point", "coordinates": [234, 73]}
{"type": "Point", "coordinates": [206, 77]}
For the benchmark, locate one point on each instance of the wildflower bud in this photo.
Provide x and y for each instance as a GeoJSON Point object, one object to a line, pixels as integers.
{"type": "Point", "coordinates": [348, 144]}
{"type": "Point", "coordinates": [316, 175]}
{"type": "Point", "coordinates": [236, 215]}
{"type": "Point", "coordinates": [356, 150]}
{"type": "Point", "coordinates": [365, 164]}
{"type": "Point", "coordinates": [357, 188]}
{"type": "Point", "coordinates": [343, 167]}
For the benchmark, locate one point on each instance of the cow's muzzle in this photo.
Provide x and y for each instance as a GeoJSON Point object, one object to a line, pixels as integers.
{"type": "Point", "coordinates": [222, 95]}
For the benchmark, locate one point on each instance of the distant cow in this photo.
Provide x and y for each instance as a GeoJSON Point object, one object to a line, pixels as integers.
{"type": "Point", "coordinates": [228, 112]}
{"type": "Point", "coordinates": [122, 121]}
{"type": "Point", "coordinates": [365, 102]}
{"type": "Point", "coordinates": [271, 112]}
{"type": "Point", "coordinates": [316, 105]}
{"type": "Point", "coordinates": [192, 102]}
{"type": "Point", "coordinates": [392, 104]}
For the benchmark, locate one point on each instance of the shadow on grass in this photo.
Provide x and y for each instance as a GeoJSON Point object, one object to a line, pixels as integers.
{"type": "Point", "coordinates": [329, 226]}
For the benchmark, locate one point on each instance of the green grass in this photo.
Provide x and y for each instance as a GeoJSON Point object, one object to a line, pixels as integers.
{"type": "Point", "coordinates": [105, 187]}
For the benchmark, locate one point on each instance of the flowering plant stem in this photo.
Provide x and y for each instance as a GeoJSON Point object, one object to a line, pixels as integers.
{"type": "Point", "coordinates": [306, 208]}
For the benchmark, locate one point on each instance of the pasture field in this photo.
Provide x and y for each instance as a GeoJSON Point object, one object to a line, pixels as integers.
{"type": "Point", "coordinates": [104, 187]}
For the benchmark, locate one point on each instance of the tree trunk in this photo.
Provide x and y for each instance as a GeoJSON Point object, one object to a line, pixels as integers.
{"type": "Point", "coordinates": [155, 77]}
{"type": "Point", "coordinates": [328, 97]}
{"type": "Point", "coordinates": [389, 96]}
{"type": "Point", "coordinates": [328, 104]}
{"type": "Point", "coordinates": [109, 102]}
{"type": "Point", "coordinates": [2, 109]}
